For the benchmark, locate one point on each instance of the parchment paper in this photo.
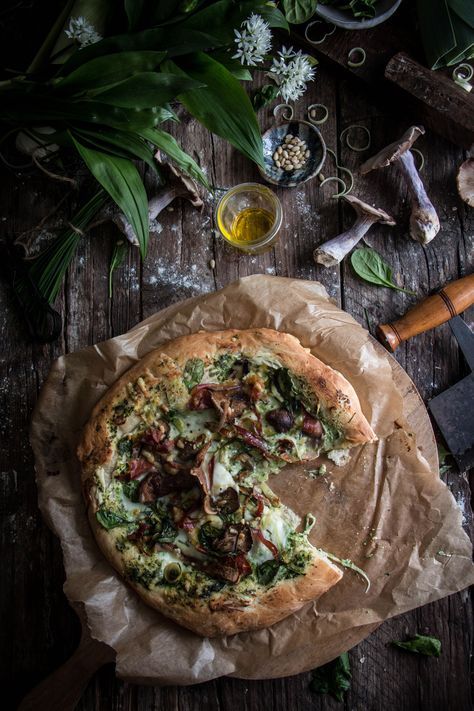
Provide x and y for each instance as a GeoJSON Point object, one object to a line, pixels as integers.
{"type": "Point", "coordinates": [385, 510]}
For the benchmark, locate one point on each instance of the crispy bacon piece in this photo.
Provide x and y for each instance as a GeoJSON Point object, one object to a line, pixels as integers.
{"type": "Point", "coordinates": [243, 564]}
{"type": "Point", "coordinates": [198, 469]}
{"type": "Point", "coordinates": [271, 546]}
{"type": "Point", "coordinates": [137, 467]}
{"type": "Point", "coordinates": [251, 439]}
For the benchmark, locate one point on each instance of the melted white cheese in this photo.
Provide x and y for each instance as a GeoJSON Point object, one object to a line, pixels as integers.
{"type": "Point", "coordinates": [222, 480]}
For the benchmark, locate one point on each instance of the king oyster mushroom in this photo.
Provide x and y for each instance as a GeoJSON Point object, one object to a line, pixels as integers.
{"type": "Point", "coordinates": [465, 181]}
{"type": "Point", "coordinates": [331, 253]}
{"type": "Point", "coordinates": [424, 221]}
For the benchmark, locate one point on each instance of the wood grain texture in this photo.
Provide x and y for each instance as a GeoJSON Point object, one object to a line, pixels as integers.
{"type": "Point", "coordinates": [39, 630]}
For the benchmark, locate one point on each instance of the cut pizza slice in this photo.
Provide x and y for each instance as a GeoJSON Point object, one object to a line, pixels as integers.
{"type": "Point", "coordinates": [176, 460]}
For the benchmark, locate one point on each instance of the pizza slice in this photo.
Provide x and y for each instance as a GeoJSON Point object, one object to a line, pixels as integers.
{"type": "Point", "coordinates": [177, 459]}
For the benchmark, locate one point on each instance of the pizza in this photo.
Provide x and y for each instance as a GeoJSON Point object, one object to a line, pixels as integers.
{"type": "Point", "coordinates": [177, 460]}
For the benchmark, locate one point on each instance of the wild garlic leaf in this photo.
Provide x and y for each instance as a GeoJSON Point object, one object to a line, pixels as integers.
{"type": "Point", "coordinates": [109, 70]}
{"type": "Point", "coordinates": [421, 644]}
{"type": "Point", "coordinates": [193, 372]}
{"type": "Point", "coordinates": [166, 143]}
{"type": "Point", "coordinates": [110, 519]}
{"type": "Point", "coordinates": [369, 266]}
{"type": "Point", "coordinates": [299, 11]}
{"type": "Point", "coordinates": [264, 96]}
{"type": "Point", "coordinates": [333, 678]}
{"type": "Point", "coordinates": [119, 143]}
{"type": "Point", "coordinates": [120, 178]}
{"type": "Point", "coordinates": [146, 90]}
{"type": "Point", "coordinates": [222, 105]}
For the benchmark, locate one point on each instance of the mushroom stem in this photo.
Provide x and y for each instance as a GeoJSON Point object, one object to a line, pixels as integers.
{"type": "Point", "coordinates": [424, 222]}
{"type": "Point", "coordinates": [334, 251]}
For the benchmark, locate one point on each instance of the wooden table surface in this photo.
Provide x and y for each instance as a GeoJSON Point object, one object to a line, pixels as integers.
{"type": "Point", "coordinates": [39, 631]}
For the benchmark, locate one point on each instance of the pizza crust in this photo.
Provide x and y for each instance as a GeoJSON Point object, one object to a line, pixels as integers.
{"type": "Point", "coordinates": [337, 397]}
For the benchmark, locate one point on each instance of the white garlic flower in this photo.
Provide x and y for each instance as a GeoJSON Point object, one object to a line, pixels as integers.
{"type": "Point", "coordinates": [82, 32]}
{"type": "Point", "coordinates": [291, 72]}
{"type": "Point", "coordinates": [254, 40]}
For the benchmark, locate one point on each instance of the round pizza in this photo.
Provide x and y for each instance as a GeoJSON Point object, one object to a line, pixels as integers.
{"type": "Point", "coordinates": [177, 460]}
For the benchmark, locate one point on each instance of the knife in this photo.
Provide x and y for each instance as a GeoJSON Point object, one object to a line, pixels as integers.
{"type": "Point", "coordinates": [453, 409]}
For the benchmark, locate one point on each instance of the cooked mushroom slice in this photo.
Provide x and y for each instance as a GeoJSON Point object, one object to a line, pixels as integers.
{"type": "Point", "coordinates": [235, 538]}
{"type": "Point", "coordinates": [465, 181]}
{"type": "Point", "coordinates": [228, 501]}
{"type": "Point", "coordinates": [158, 484]}
{"type": "Point", "coordinates": [331, 253]}
{"type": "Point", "coordinates": [424, 221]}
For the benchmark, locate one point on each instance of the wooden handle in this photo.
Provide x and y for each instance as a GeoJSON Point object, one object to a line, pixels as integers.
{"type": "Point", "coordinates": [452, 300]}
{"type": "Point", "coordinates": [62, 690]}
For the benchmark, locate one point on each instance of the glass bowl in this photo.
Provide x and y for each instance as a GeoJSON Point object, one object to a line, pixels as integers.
{"type": "Point", "coordinates": [249, 217]}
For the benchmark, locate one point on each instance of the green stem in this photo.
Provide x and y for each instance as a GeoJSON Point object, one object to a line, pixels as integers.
{"type": "Point", "coordinates": [46, 48]}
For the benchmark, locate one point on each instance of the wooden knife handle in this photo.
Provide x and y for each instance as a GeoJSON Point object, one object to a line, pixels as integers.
{"type": "Point", "coordinates": [62, 690]}
{"type": "Point", "coordinates": [452, 300]}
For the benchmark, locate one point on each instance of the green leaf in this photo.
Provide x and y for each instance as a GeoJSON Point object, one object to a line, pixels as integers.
{"type": "Point", "coordinates": [222, 106]}
{"type": "Point", "coordinates": [110, 69]}
{"type": "Point", "coordinates": [208, 533]}
{"type": "Point", "coordinates": [369, 266]}
{"type": "Point", "coordinates": [299, 11]}
{"type": "Point", "coordinates": [134, 10]}
{"type": "Point", "coordinates": [193, 372]}
{"type": "Point", "coordinates": [119, 143]}
{"type": "Point", "coordinates": [264, 96]}
{"type": "Point", "coordinates": [169, 145]}
{"type": "Point", "coordinates": [109, 519]}
{"type": "Point", "coordinates": [333, 678]}
{"type": "Point", "coordinates": [120, 250]}
{"type": "Point", "coordinates": [167, 532]}
{"type": "Point", "coordinates": [131, 489]}
{"type": "Point", "coordinates": [266, 571]}
{"type": "Point", "coordinates": [273, 16]}
{"type": "Point", "coordinates": [429, 646]}
{"type": "Point", "coordinates": [233, 65]}
{"type": "Point", "coordinates": [120, 178]}
{"type": "Point", "coordinates": [145, 90]}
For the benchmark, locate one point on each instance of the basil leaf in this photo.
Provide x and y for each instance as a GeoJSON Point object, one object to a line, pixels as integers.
{"type": "Point", "coordinates": [208, 533]}
{"type": "Point", "coordinates": [120, 178]}
{"type": "Point", "coordinates": [264, 96]}
{"type": "Point", "coordinates": [333, 678]}
{"type": "Point", "coordinates": [110, 69]}
{"type": "Point", "coordinates": [167, 532]}
{"type": "Point", "coordinates": [124, 446]}
{"type": "Point", "coordinates": [369, 266]}
{"type": "Point", "coordinates": [109, 519]}
{"type": "Point", "coordinates": [299, 11]}
{"type": "Point", "coordinates": [429, 646]}
{"type": "Point", "coordinates": [131, 489]}
{"type": "Point", "coordinates": [193, 372]}
{"type": "Point", "coordinates": [266, 571]}
{"type": "Point", "coordinates": [222, 105]}
{"type": "Point", "coordinates": [146, 90]}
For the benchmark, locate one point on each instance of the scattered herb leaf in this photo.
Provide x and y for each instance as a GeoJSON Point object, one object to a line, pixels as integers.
{"type": "Point", "coordinates": [346, 563]}
{"type": "Point", "coordinates": [299, 11]}
{"type": "Point", "coordinates": [264, 96]}
{"type": "Point", "coordinates": [369, 266]}
{"type": "Point", "coordinates": [421, 644]}
{"type": "Point", "coordinates": [167, 532]}
{"type": "Point", "coordinates": [333, 678]}
{"type": "Point", "coordinates": [131, 489]}
{"type": "Point", "coordinates": [109, 519]}
{"type": "Point", "coordinates": [266, 571]}
{"type": "Point", "coordinates": [193, 372]}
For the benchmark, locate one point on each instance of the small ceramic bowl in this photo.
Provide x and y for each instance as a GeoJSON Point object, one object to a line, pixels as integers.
{"type": "Point", "coordinates": [346, 19]}
{"type": "Point", "coordinates": [275, 136]}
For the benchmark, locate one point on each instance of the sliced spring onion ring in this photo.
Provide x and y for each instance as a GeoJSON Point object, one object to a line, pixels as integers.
{"type": "Point", "coordinates": [343, 169]}
{"type": "Point", "coordinates": [463, 84]}
{"type": "Point", "coordinates": [338, 180]}
{"type": "Point", "coordinates": [422, 158]}
{"type": "Point", "coordinates": [350, 145]}
{"type": "Point", "coordinates": [357, 51]}
{"type": "Point", "coordinates": [312, 110]}
{"type": "Point", "coordinates": [463, 72]}
{"type": "Point", "coordinates": [318, 22]}
{"type": "Point", "coordinates": [286, 111]}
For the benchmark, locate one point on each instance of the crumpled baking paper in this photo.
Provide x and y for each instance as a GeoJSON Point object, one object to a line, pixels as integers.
{"type": "Point", "coordinates": [387, 509]}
